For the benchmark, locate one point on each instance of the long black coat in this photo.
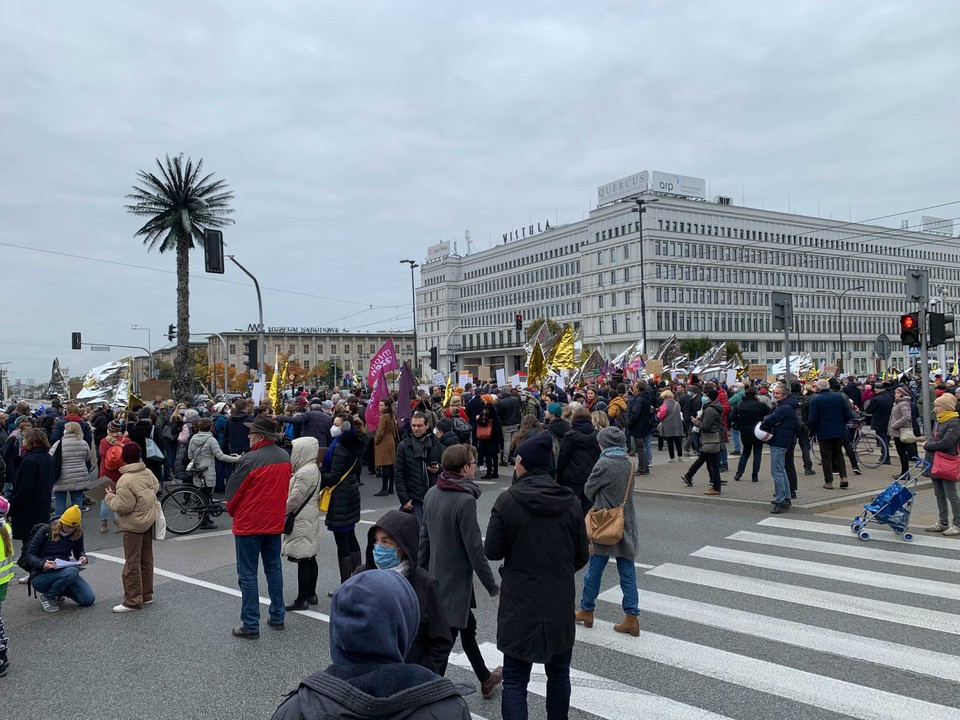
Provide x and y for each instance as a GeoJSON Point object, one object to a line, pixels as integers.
{"type": "Point", "coordinates": [536, 527]}
{"type": "Point", "coordinates": [344, 509]}
{"type": "Point", "coordinates": [30, 501]}
{"type": "Point", "coordinates": [638, 415]}
{"type": "Point", "coordinates": [578, 454]}
{"type": "Point", "coordinates": [410, 466]}
{"type": "Point", "coordinates": [880, 406]}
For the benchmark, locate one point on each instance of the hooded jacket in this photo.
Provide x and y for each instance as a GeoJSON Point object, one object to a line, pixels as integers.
{"type": "Point", "coordinates": [536, 527]}
{"type": "Point", "coordinates": [305, 482]}
{"type": "Point", "coordinates": [30, 500]}
{"type": "Point", "coordinates": [373, 621]}
{"type": "Point", "coordinates": [136, 498]}
{"type": "Point", "coordinates": [203, 449]}
{"type": "Point", "coordinates": [578, 454]}
{"type": "Point", "coordinates": [75, 457]}
{"type": "Point", "coordinates": [62, 424]}
{"type": "Point", "coordinates": [433, 642]}
{"type": "Point", "coordinates": [344, 511]}
{"type": "Point", "coordinates": [236, 438]}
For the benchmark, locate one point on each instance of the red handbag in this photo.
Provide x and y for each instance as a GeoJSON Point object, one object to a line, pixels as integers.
{"type": "Point", "coordinates": [945, 467]}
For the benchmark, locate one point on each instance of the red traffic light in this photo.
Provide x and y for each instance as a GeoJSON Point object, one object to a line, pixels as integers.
{"type": "Point", "coordinates": [908, 322]}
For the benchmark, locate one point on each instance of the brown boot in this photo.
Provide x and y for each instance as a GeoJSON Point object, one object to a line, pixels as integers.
{"type": "Point", "coordinates": [630, 625]}
{"type": "Point", "coordinates": [585, 617]}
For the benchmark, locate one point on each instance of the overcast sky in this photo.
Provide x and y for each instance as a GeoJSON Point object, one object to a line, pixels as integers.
{"type": "Point", "coordinates": [357, 134]}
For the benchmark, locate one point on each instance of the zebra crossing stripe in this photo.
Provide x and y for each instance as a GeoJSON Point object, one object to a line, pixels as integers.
{"type": "Point", "coordinates": [839, 696]}
{"type": "Point", "coordinates": [811, 597]}
{"type": "Point", "coordinates": [847, 550]}
{"type": "Point", "coordinates": [876, 533]}
{"type": "Point", "coordinates": [601, 696]}
{"type": "Point", "coordinates": [834, 642]}
{"type": "Point", "coordinates": [919, 586]}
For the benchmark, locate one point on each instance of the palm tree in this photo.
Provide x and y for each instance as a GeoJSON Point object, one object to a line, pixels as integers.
{"type": "Point", "coordinates": [180, 205]}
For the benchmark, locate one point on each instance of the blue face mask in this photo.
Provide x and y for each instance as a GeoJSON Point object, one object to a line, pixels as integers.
{"type": "Point", "coordinates": [385, 558]}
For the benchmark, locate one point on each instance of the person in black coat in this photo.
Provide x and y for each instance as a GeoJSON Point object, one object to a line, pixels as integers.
{"type": "Point", "coordinates": [138, 433]}
{"type": "Point", "coordinates": [880, 406]}
{"type": "Point", "coordinates": [399, 532]}
{"type": "Point", "coordinates": [487, 422]}
{"type": "Point", "coordinates": [417, 464]}
{"type": "Point", "coordinates": [852, 391]}
{"type": "Point", "coordinates": [536, 527]}
{"type": "Point", "coordinates": [30, 500]}
{"type": "Point", "coordinates": [578, 454]}
{"type": "Point", "coordinates": [341, 468]}
{"type": "Point", "coordinates": [744, 417]}
{"type": "Point", "coordinates": [638, 424]}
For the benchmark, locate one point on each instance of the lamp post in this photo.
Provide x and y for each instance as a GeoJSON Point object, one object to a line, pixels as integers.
{"type": "Point", "coordinates": [640, 209]}
{"type": "Point", "coordinates": [413, 294]}
{"type": "Point", "coordinates": [839, 297]}
{"type": "Point", "coordinates": [149, 346]}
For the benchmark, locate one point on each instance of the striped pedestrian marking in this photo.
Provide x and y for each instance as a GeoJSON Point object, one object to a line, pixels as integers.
{"type": "Point", "coordinates": [876, 533]}
{"type": "Point", "coordinates": [834, 642]}
{"type": "Point", "coordinates": [868, 578]}
{"type": "Point", "coordinates": [600, 696]}
{"type": "Point", "coordinates": [847, 550]}
{"type": "Point", "coordinates": [839, 696]}
{"type": "Point", "coordinates": [811, 597]}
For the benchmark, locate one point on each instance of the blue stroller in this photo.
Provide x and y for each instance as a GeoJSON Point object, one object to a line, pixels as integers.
{"type": "Point", "coordinates": [893, 506]}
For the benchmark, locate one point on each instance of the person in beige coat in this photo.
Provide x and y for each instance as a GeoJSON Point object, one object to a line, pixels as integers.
{"type": "Point", "coordinates": [385, 444]}
{"type": "Point", "coordinates": [300, 546]}
{"type": "Point", "coordinates": [134, 501]}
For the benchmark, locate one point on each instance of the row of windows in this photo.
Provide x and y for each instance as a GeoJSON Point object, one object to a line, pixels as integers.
{"type": "Point", "coordinates": [514, 280]}
{"type": "Point", "coordinates": [750, 276]}
{"type": "Point", "coordinates": [522, 261]}
{"type": "Point", "coordinates": [722, 322]}
{"type": "Point", "coordinates": [546, 292]}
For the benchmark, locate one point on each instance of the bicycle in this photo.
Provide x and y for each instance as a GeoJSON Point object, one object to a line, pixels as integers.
{"type": "Point", "coordinates": [870, 449]}
{"type": "Point", "coordinates": [184, 506]}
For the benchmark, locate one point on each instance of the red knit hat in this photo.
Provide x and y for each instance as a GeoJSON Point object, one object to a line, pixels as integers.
{"type": "Point", "coordinates": [130, 453]}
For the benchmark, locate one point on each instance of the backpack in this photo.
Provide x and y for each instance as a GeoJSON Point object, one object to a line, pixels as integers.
{"type": "Point", "coordinates": [22, 560]}
{"type": "Point", "coordinates": [462, 429]}
{"type": "Point", "coordinates": [113, 460]}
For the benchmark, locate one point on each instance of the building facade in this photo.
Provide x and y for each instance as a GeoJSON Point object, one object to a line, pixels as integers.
{"type": "Point", "coordinates": [705, 270]}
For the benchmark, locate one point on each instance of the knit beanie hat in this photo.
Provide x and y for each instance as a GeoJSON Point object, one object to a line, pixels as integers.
{"type": "Point", "coordinates": [611, 437]}
{"type": "Point", "coordinates": [945, 403]}
{"type": "Point", "coordinates": [131, 453]}
{"type": "Point", "coordinates": [4, 505]}
{"type": "Point", "coordinates": [71, 516]}
{"type": "Point", "coordinates": [536, 452]}
{"type": "Point", "coordinates": [114, 426]}
{"type": "Point", "coordinates": [555, 409]}
{"type": "Point", "coordinates": [445, 425]}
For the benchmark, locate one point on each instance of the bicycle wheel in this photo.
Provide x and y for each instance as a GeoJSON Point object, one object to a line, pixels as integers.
{"type": "Point", "coordinates": [871, 451]}
{"type": "Point", "coordinates": [181, 508]}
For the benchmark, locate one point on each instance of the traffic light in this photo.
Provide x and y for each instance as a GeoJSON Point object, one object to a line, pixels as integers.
{"type": "Point", "coordinates": [171, 332]}
{"type": "Point", "coordinates": [434, 357]}
{"type": "Point", "coordinates": [213, 251]}
{"type": "Point", "coordinates": [253, 356]}
{"type": "Point", "coordinates": [75, 341]}
{"type": "Point", "coordinates": [519, 322]}
{"type": "Point", "coordinates": [940, 329]}
{"type": "Point", "coordinates": [910, 329]}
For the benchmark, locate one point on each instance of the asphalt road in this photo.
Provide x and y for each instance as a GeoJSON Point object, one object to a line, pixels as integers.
{"type": "Point", "coordinates": [743, 616]}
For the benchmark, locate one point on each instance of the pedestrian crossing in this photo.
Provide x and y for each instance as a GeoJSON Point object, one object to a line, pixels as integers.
{"type": "Point", "coordinates": [792, 618]}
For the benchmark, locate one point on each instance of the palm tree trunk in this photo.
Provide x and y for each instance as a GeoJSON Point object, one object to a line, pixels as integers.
{"type": "Point", "coordinates": [182, 367]}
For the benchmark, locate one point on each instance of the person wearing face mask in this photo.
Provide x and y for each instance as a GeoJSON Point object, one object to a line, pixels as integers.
{"type": "Point", "coordinates": [392, 545]}
{"type": "Point", "coordinates": [60, 540]}
{"type": "Point", "coordinates": [341, 471]}
{"type": "Point", "coordinates": [451, 548]}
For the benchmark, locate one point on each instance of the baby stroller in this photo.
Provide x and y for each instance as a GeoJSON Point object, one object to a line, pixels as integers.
{"type": "Point", "coordinates": [893, 506]}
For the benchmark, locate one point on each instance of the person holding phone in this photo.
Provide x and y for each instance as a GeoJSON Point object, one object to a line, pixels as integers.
{"type": "Point", "coordinates": [417, 465]}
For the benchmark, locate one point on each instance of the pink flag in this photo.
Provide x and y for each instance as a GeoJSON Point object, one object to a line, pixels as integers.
{"type": "Point", "coordinates": [385, 360]}
{"type": "Point", "coordinates": [378, 391]}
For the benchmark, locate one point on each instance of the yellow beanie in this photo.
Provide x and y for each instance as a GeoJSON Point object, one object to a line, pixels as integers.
{"type": "Point", "coordinates": [71, 516]}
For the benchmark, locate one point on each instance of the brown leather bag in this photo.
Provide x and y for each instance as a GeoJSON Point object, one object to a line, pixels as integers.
{"type": "Point", "coordinates": [605, 527]}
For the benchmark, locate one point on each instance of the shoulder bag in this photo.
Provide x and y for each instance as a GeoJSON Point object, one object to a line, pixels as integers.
{"type": "Point", "coordinates": [945, 467]}
{"type": "Point", "coordinates": [323, 500]}
{"type": "Point", "coordinates": [160, 524]}
{"type": "Point", "coordinates": [292, 516]}
{"type": "Point", "coordinates": [605, 527]}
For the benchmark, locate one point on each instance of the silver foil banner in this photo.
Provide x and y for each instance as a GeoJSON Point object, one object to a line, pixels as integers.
{"type": "Point", "coordinates": [58, 386]}
{"type": "Point", "coordinates": [108, 383]}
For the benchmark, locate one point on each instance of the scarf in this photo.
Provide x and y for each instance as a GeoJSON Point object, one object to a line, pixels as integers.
{"type": "Point", "coordinates": [943, 417]}
{"type": "Point", "coordinates": [328, 456]}
{"type": "Point", "coordinates": [614, 451]}
{"type": "Point", "coordinates": [458, 483]}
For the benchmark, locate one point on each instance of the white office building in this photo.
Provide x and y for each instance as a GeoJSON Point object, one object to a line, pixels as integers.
{"type": "Point", "coordinates": [705, 270]}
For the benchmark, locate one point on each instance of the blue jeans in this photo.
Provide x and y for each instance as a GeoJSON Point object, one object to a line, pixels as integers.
{"type": "Point", "coordinates": [628, 583]}
{"type": "Point", "coordinates": [516, 677]}
{"type": "Point", "coordinates": [249, 549]}
{"type": "Point", "coordinates": [105, 511]}
{"type": "Point", "coordinates": [418, 511]}
{"type": "Point", "coordinates": [781, 484]}
{"type": "Point", "coordinates": [735, 434]}
{"type": "Point", "coordinates": [60, 500]}
{"type": "Point", "coordinates": [648, 448]}
{"type": "Point", "coordinates": [65, 581]}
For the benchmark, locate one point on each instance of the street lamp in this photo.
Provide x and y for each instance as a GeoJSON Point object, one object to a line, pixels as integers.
{"type": "Point", "coordinates": [839, 297]}
{"type": "Point", "coordinates": [149, 347]}
{"type": "Point", "coordinates": [413, 293]}
{"type": "Point", "coordinates": [640, 209]}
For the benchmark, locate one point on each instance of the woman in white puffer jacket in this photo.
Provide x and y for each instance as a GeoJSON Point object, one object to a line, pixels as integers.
{"type": "Point", "coordinates": [300, 546]}
{"type": "Point", "coordinates": [75, 465]}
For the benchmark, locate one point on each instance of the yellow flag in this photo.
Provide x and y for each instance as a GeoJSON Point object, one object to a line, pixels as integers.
{"type": "Point", "coordinates": [955, 370]}
{"type": "Point", "coordinates": [537, 369]}
{"type": "Point", "coordinates": [448, 391]}
{"type": "Point", "coordinates": [561, 354]}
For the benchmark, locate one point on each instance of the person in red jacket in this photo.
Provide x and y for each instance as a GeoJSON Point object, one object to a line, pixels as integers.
{"type": "Point", "coordinates": [257, 501]}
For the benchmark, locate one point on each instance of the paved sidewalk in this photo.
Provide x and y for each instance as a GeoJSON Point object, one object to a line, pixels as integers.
{"type": "Point", "coordinates": [664, 480]}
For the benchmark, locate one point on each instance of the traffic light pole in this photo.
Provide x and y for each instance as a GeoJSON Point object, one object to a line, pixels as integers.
{"type": "Point", "coordinates": [262, 344]}
{"type": "Point", "coordinates": [924, 372]}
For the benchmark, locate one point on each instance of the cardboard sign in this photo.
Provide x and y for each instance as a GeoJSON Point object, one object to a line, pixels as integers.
{"type": "Point", "coordinates": [464, 377]}
{"type": "Point", "coordinates": [654, 367]}
{"type": "Point", "coordinates": [483, 373]}
{"type": "Point", "coordinates": [149, 389]}
{"type": "Point", "coordinates": [757, 372]}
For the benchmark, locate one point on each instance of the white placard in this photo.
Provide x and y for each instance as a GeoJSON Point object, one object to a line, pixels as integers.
{"type": "Point", "coordinates": [731, 378]}
{"type": "Point", "coordinates": [501, 377]}
{"type": "Point", "coordinates": [439, 379]}
{"type": "Point", "coordinates": [257, 394]}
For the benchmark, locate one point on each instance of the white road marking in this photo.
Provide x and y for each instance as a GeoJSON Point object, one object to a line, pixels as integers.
{"type": "Point", "coordinates": [877, 532]}
{"type": "Point", "coordinates": [839, 696]}
{"type": "Point", "coordinates": [644, 566]}
{"type": "Point", "coordinates": [810, 597]}
{"type": "Point", "coordinates": [867, 578]}
{"type": "Point", "coordinates": [835, 642]}
{"type": "Point", "coordinates": [848, 550]}
{"type": "Point", "coordinates": [202, 536]}
{"type": "Point", "coordinates": [600, 696]}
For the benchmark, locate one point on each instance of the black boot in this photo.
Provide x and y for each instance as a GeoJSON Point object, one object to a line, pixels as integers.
{"type": "Point", "coordinates": [383, 489]}
{"type": "Point", "coordinates": [346, 570]}
{"type": "Point", "coordinates": [390, 487]}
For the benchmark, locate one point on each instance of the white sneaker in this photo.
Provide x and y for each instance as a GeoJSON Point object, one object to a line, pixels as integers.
{"type": "Point", "coordinates": [937, 527]}
{"type": "Point", "coordinates": [671, 461]}
{"type": "Point", "coordinates": [48, 604]}
{"type": "Point", "coordinates": [952, 530]}
{"type": "Point", "coordinates": [121, 608]}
